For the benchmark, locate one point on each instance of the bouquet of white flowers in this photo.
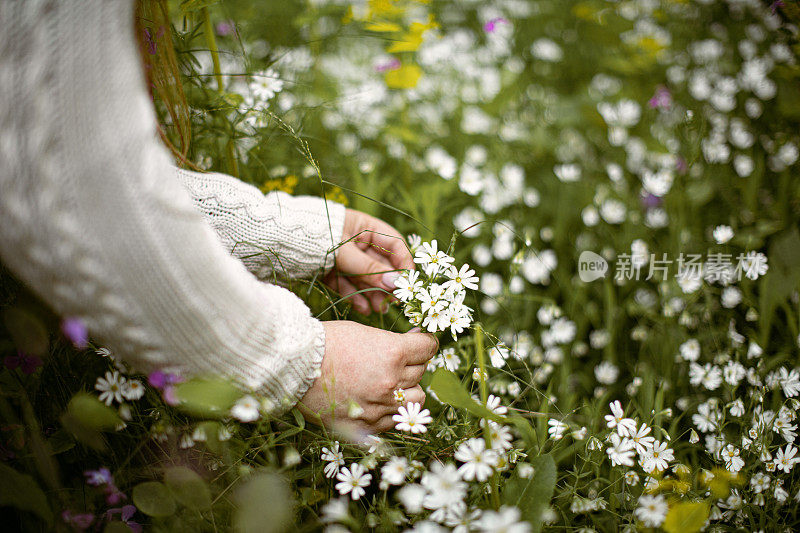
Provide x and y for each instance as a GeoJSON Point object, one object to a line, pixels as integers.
{"type": "Point", "coordinates": [433, 297]}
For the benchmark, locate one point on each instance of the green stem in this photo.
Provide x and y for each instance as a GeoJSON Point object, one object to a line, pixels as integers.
{"type": "Point", "coordinates": [211, 40]}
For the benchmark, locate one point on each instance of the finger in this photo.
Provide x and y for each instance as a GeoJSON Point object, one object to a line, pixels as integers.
{"type": "Point", "coordinates": [415, 395]}
{"type": "Point", "coordinates": [391, 244]}
{"type": "Point", "coordinates": [411, 376]}
{"type": "Point", "coordinates": [386, 423]}
{"type": "Point", "coordinates": [349, 292]}
{"type": "Point", "coordinates": [419, 347]}
{"type": "Point", "coordinates": [364, 269]}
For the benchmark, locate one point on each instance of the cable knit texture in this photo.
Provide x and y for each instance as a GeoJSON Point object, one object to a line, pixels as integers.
{"type": "Point", "coordinates": [97, 221]}
{"type": "Point", "coordinates": [275, 236]}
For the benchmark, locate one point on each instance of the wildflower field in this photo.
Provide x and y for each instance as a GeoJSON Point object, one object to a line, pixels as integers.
{"type": "Point", "coordinates": [602, 201]}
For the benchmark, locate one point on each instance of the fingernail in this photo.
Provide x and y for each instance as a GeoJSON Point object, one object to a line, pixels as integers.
{"type": "Point", "coordinates": [415, 330]}
{"type": "Point", "coordinates": [389, 278]}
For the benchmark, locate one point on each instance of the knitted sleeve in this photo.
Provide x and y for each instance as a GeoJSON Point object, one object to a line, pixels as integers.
{"type": "Point", "coordinates": [97, 223]}
{"type": "Point", "coordinates": [274, 235]}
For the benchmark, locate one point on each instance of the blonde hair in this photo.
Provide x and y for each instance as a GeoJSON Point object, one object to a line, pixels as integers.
{"type": "Point", "coordinates": [157, 51]}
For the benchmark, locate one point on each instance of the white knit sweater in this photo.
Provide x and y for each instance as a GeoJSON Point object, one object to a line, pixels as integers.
{"type": "Point", "coordinates": [100, 224]}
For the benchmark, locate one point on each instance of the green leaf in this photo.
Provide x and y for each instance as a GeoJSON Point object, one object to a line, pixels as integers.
{"type": "Point", "coordinates": [86, 417]}
{"type": "Point", "coordinates": [264, 504]}
{"type": "Point", "coordinates": [21, 491]}
{"type": "Point", "coordinates": [154, 499]}
{"type": "Point", "coordinates": [207, 397]}
{"type": "Point", "coordinates": [783, 274]}
{"type": "Point", "coordinates": [188, 488]}
{"type": "Point", "coordinates": [93, 413]}
{"type": "Point", "coordinates": [533, 495]}
{"type": "Point", "coordinates": [448, 389]}
{"type": "Point", "coordinates": [686, 517]}
{"type": "Point", "coordinates": [117, 527]}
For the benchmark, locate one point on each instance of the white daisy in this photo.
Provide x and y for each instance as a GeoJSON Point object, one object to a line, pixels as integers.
{"type": "Point", "coordinates": [412, 418]}
{"type": "Point", "coordinates": [353, 480]}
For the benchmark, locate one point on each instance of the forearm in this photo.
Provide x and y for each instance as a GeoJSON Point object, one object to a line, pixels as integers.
{"type": "Point", "coordinates": [274, 235]}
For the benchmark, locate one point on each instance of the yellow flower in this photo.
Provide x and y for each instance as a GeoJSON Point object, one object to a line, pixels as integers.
{"type": "Point", "coordinates": [405, 77]}
{"type": "Point", "coordinates": [412, 39]}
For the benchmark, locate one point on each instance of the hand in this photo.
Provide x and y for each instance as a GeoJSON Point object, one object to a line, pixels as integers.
{"type": "Point", "coordinates": [372, 253]}
{"type": "Point", "coordinates": [366, 365]}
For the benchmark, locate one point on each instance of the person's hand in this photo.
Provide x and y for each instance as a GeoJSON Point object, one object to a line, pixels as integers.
{"type": "Point", "coordinates": [366, 365]}
{"type": "Point", "coordinates": [370, 258]}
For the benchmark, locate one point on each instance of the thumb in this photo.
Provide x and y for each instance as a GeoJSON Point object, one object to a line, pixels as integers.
{"type": "Point", "coordinates": [366, 269]}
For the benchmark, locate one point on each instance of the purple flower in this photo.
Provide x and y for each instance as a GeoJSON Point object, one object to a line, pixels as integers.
{"type": "Point", "coordinates": [662, 99]}
{"type": "Point", "coordinates": [775, 5]}
{"type": "Point", "coordinates": [75, 330]}
{"type": "Point", "coordinates": [650, 200]}
{"type": "Point", "coordinates": [114, 495]}
{"type": "Point", "coordinates": [101, 476]}
{"type": "Point", "coordinates": [491, 25]}
{"type": "Point", "coordinates": [27, 363]}
{"type": "Point", "coordinates": [80, 521]}
{"type": "Point", "coordinates": [392, 64]}
{"type": "Point", "coordinates": [169, 395]}
{"type": "Point", "coordinates": [126, 512]}
{"type": "Point", "coordinates": [225, 27]}
{"type": "Point", "coordinates": [159, 379]}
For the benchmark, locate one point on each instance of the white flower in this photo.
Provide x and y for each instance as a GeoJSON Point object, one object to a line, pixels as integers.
{"type": "Point", "coordinates": [111, 387]}
{"type": "Point", "coordinates": [562, 330]}
{"type": "Point", "coordinates": [624, 426]}
{"type": "Point", "coordinates": [412, 418]}
{"type": "Point", "coordinates": [353, 481]}
{"type": "Point", "coordinates": [613, 211]}
{"type": "Point", "coordinates": [556, 429]}
{"type": "Point", "coordinates": [733, 372]}
{"type": "Point", "coordinates": [450, 359]}
{"type": "Point", "coordinates": [709, 375]}
{"type": "Point", "coordinates": [500, 437]}
{"type": "Point", "coordinates": [133, 389]}
{"type": "Point", "coordinates": [498, 355]}
{"type": "Point", "coordinates": [506, 520]}
{"type": "Point", "coordinates": [722, 234]}
{"type": "Point", "coordinates": [652, 510]}
{"type": "Point", "coordinates": [567, 173]}
{"type": "Point", "coordinates": [785, 458]}
{"type": "Point", "coordinates": [245, 409]}
{"type": "Point", "coordinates": [606, 373]}
{"type": "Point", "coordinates": [266, 84]}
{"type": "Point", "coordinates": [335, 510]}
{"type": "Point", "coordinates": [733, 463]}
{"type": "Point", "coordinates": [464, 278]}
{"type": "Point", "coordinates": [546, 50]}
{"type": "Point", "coordinates": [407, 285]}
{"type": "Point", "coordinates": [412, 496]}
{"type": "Point", "coordinates": [431, 259]}
{"type": "Point", "coordinates": [754, 264]}
{"type": "Point", "coordinates": [788, 379]}
{"type": "Point", "coordinates": [737, 408]}
{"type": "Point", "coordinates": [395, 470]}
{"type": "Point", "coordinates": [690, 350]}
{"type": "Point", "coordinates": [759, 482]}
{"type": "Point", "coordinates": [478, 461]}
{"type": "Point", "coordinates": [657, 458]}
{"type": "Point", "coordinates": [642, 440]}
{"type": "Point", "coordinates": [335, 459]}
{"type": "Point", "coordinates": [621, 450]}
{"type": "Point", "coordinates": [444, 487]}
